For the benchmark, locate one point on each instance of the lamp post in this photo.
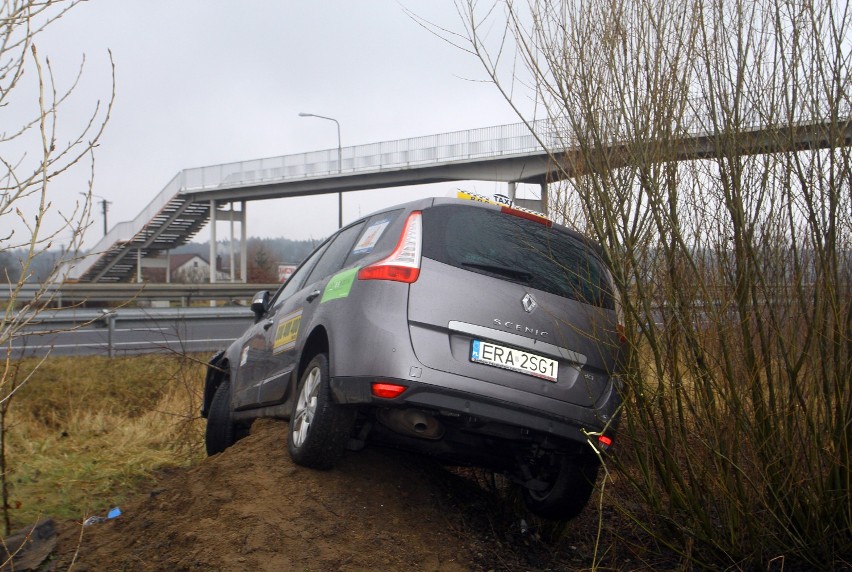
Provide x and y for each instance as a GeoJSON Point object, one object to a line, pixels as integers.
{"type": "Point", "coordinates": [339, 163]}
{"type": "Point", "coordinates": [104, 206]}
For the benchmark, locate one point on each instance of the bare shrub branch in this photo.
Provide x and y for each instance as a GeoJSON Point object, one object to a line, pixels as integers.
{"type": "Point", "coordinates": [705, 144]}
{"type": "Point", "coordinates": [31, 159]}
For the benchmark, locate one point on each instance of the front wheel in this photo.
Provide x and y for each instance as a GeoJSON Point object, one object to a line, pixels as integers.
{"type": "Point", "coordinates": [563, 486]}
{"type": "Point", "coordinates": [221, 432]}
{"type": "Point", "coordinates": [319, 427]}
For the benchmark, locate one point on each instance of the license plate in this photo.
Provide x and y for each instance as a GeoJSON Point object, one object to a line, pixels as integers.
{"type": "Point", "coordinates": [515, 360]}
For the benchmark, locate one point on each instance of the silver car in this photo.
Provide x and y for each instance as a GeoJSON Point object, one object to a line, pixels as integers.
{"type": "Point", "coordinates": [481, 334]}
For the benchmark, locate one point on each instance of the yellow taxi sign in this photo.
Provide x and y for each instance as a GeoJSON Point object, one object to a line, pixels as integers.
{"type": "Point", "coordinates": [508, 205]}
{"type": "Point", "coordinates": [468, 196]}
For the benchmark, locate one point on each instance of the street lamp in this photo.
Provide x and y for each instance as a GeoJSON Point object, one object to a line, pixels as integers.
{"type": "Point", "coordinates": [339, 163]}
{"type": "Point", "coordinates": [104, 205]}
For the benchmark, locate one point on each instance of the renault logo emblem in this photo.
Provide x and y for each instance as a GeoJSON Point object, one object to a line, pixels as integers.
{"type": "Point", "coordinates": [529, 303]}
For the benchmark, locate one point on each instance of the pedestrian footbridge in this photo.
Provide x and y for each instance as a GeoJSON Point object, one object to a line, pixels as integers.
{"type": "Point", "coordinates": [537, 153]}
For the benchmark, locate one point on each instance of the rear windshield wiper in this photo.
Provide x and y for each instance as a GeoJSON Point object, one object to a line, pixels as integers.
{"type": "Point", "coordinates": [502, 270]}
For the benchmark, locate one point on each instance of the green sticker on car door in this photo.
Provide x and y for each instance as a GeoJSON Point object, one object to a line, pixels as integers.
{"type": "Point", "coordinates": [339, 285]}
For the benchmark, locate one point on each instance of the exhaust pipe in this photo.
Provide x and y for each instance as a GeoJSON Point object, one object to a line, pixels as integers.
{"type": "Point", "coordinates": [411, 422]}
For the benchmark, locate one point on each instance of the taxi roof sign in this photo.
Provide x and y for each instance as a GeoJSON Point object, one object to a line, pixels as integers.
{"type": "Point", "coordinates": [508, 206]}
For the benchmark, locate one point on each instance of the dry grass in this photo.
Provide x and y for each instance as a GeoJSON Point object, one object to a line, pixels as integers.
{"type": "Point", "coordinates": [84, 432]}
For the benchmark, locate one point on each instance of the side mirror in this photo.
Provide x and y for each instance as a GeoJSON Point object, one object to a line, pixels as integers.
{"type": "Point", "coordinates": [260, 304]}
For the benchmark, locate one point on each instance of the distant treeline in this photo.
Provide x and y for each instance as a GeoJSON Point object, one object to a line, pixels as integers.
{"type": "Point", "coordinates": [273, 250]}
{"type": "Point", "coordinates": [41, 266]}
{"type": "Point", "coordinates": [283, 250]}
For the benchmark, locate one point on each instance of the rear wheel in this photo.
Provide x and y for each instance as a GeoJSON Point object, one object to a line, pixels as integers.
{"type": "Point", "coordinates": [221, 431]}
{"type": "Point", "coordinates": [319, 428]}
{"type": "Point", "coordinates": [562, 485]}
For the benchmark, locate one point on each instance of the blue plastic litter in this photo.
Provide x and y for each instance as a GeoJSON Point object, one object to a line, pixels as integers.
{"type": "Point", "coordinates": [113, 513]}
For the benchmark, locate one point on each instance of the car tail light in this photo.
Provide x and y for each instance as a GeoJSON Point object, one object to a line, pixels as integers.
{"type": "Point", "coordinates": [529, 215]}
{"type": "Point", "coordinates": [387, 390]}
{"type": "Point", "coordinates": [604, 443]}
{"type": "Point", "coordinates": [403, 265]}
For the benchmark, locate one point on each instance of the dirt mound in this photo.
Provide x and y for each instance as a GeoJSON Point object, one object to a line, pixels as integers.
{"type": "Point", "coordinates": [251, 508]}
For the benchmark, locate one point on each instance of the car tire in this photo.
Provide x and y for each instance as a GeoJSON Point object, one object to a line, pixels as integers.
{"type": "Point", "coordinates": [221, 430]}
{"type": "Point", "coordinates": [570, 479]}
{"type": "Point", "coordinates": [319, 427]}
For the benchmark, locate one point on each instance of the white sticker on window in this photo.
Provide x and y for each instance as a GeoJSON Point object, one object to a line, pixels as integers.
{"type": "Point", "coordinates": [370, 237]}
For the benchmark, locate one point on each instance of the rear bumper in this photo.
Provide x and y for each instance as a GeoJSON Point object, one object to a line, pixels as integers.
{"type": "Point", "coordinates": [575, 422]}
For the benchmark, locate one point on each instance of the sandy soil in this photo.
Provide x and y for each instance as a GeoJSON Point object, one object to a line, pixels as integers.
{"type": "Point", "coordinates": [251, 508]}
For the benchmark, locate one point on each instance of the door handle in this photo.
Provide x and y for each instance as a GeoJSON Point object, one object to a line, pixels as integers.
{"type": "Point", "coordinates": [268, 323]}
{"type": "Point", "coordinates": [313, 295]}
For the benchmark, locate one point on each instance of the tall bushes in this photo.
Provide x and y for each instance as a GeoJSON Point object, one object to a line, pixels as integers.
{"type": "Point", "coordinates": [706, 144]}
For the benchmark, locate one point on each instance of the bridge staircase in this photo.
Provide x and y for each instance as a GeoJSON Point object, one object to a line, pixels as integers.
{"type": "Point", "coordinates": [169, 221]}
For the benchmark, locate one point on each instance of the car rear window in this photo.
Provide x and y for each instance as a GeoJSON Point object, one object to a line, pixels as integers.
{"type": "Point", "coordinates": [511, 248]}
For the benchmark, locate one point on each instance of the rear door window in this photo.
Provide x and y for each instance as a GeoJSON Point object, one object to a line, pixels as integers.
{"type": "Point", "coordinates": [336, 253]}
{"type": "Point", "coordinates": [294, 283]}
{"type": "Point", "coordinates": [511, 248]}
{"type": "Point", "coordinates": [374, 237]}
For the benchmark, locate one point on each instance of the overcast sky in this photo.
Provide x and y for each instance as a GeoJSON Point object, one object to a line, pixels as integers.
{"type": "Point", "coordinates": [201, 82]}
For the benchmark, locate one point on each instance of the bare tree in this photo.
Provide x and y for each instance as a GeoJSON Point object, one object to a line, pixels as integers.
{"type": "Point", "coordinates": [32, 158]}
{"type": "Point", "coordinates": [262, 264]}
{"type": "Point", "coordinates": [705, 144]}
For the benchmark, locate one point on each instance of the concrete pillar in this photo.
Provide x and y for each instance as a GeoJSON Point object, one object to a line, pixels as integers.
{"type": "Point", "coordinates": [512, 189]}
{"type": "Point", "coordinates": [138, 265]}
{"type": "Point", "coordinates": [231, 246]}
{"type": "Point", "coordinates": [212, 241]}
{"type": "Point", "coordinates": [243, 244]}
{"type": "Point", "coordinates": [544, 198]}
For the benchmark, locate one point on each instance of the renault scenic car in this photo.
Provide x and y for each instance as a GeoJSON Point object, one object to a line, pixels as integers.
{"type": "Point", "coordinates": [478, 333]}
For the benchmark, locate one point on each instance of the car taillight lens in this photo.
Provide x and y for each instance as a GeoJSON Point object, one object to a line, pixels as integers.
{"type": "Point", "coordinates": [403, 265]}
{"type": "Point", "coordinates": [387, 390]}
{"type": "Point", "coordinates": [529, 215]}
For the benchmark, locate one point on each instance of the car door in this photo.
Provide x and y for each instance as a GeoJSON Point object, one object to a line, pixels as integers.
{"type": "Point", "coordinates": [293, 315]}
{"type": "Point", "coordinates": [255, 356]}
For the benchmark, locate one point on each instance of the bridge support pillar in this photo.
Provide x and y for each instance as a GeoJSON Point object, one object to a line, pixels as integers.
{"type": "Point", "coordinates": [212, 241]}
{"type": "Point", "coordinates": [243, 244]}
{"type": "Point", "coordinates": [232, 216]}
{"type": "Point", "coordinates": [239, 216]}
{"type": "Point", "coordinates": [231, 260]}
{"type": "Point", "coordinates": [538, 205]}
{"type": "Point", "coordinates": [213, 245]}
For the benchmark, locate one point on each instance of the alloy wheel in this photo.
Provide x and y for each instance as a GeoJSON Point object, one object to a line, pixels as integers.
{"type": "Point", "coordinates": [306, 407]}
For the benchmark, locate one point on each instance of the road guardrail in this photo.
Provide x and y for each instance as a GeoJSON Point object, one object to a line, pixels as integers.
{"type": "Point", "coordinates": [78, 292]}
{"type": "Point", "coordinates": [130, 331]}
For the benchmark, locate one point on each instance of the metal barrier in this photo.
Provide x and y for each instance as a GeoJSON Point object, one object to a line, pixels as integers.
{"type": "Point", "coordinates": [131, 331]}
{"type": "Point", "coordinates": [74, 293]}
{"type": "Point", "coordinates": [398, 154]}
